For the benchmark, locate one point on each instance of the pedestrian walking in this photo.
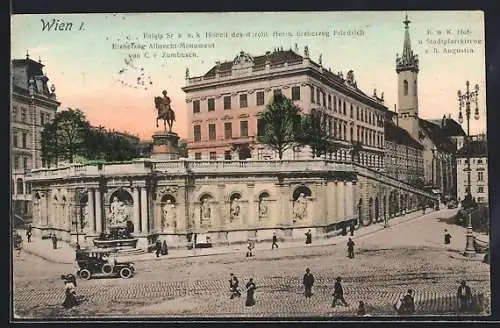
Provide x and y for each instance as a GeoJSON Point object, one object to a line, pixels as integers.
{"type": "Point", "coordinates": [164, 248]}
{"type": "Point", "coordinates": [406, 305]}
{"type": "Point", "coordinates": [351, 229]}
{"type": "Point", "coordinates": [275, 241]}
{"type": "Point", "coordinates": [464, 296]}
{"type": "Point", "coordinates": [250, 247]}
{"type": "Point", "coordinates": [308, 283]}
{"type": "Point", "coordinates": [18, 244]}
{"type": "Point", "coordinates": [28, 235]}
{"type": "Point", "coordinates": [158, 248]}
{"type": "Point", "coordinates": [447, 237]}
{"type": "Point", "coordinates": [54, 241]}
{"type": "Point", "coordinates": [233, 286]}
{"type": "Point", "coordinates": [361, 309]}
{"type": "Point", "coordinates": [308, 236]}
{"type": "Point", "coordinates": [70, 299]}
{"type": "Point", "coordinates": [338, 293]}
{"type": "Point", "coordinates": [251, 287]}
{"type": "Point", "coordinates": [350, 248]}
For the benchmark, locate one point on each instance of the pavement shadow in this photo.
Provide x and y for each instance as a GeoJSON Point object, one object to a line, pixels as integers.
{"type": "Point", "coordinates": [450, 220]}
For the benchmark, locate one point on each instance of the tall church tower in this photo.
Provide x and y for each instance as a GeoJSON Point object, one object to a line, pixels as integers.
{"type": "Point", "coordinates": [407, 69]}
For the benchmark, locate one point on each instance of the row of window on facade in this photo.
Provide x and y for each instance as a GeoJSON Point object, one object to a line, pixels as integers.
{"type": "Point", "coordinates": [339, 105]}
{"type": "Point", "coordinates": [334, 103]}
{"type": "Point", "coordinates": [20, 162]}
{"type": "Point", "coordinates": [19, 187]}
{"type": "Point", "coordinates": [243, 100]}
{"type": "Point", "coordinates": [24, 115]}
{"type": "Point", "coordinates": [338, 130]}
{"type": "Point", "coordinates": [474, 161]}
{"type": "Point", "coordinates": [22, 139]}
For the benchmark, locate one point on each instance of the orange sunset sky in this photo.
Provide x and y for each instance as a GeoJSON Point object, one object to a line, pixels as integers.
{"type": "Point", "coordinates": [85, 69]}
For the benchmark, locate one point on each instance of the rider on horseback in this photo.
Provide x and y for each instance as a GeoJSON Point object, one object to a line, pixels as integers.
{"type": "Point", "coordinates": [165, 112]}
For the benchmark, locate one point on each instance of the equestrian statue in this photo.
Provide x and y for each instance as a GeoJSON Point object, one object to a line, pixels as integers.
{"type": "Point", "coordinates": [165, 112]}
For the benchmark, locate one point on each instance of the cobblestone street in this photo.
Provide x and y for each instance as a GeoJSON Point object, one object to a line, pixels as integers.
{"type": "Point", "coordinates": [387, 263]}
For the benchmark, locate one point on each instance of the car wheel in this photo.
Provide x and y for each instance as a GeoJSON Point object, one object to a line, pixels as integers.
{"type": "Point", "coordinates": [107, 268]}
{"type": "Point", "coordinates": [125, 273]}
{"type": "Point", "coordinates": [84, 274]}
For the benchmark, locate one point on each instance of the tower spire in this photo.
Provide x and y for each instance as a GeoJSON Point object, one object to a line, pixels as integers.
{"type": "Point", "coordinates": [407, 61]}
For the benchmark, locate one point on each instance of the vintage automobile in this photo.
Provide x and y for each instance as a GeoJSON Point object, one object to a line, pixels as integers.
{"type": "Point", "coordinates": [102, 262]}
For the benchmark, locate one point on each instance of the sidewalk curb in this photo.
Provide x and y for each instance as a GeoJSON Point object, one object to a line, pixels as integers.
{"type": "Point", "coordinates": [29, 251]}
{"type": "Point", "coordinates": [334, 242]}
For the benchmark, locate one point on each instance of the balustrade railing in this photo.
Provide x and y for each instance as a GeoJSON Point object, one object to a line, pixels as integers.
{"type": "Point", "coordinates": [147, 166]}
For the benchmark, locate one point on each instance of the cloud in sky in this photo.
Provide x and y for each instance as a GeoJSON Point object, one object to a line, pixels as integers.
{"type": "Point", "coordinates": [86, 69]}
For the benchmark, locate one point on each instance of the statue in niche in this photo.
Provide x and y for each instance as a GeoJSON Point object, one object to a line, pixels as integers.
{"type": "Point", "coordinates": [263, 208]}
{"type": "Point", "coordinates": [300, 208]}
{"type": "Point", "coordinates": [234, 210]}
{"type": "Point", "coordinates": [168, 215]}
{"type": "Point", "coordinates": [119, 213]}
{"type": "Point", "coordinates": [205, 211]}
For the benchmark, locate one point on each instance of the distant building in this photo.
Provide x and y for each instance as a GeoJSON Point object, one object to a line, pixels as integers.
{"type": "Point", "coordinates": [404, 155]}
{"type": "Point", "coordinates": [439, 140]}
{"type": "Point", "coordinates": [33, 105]}
{"type": "Point", "coordinates": [224, 104]}
{"type": "Point", "coordinates": [478, 152]}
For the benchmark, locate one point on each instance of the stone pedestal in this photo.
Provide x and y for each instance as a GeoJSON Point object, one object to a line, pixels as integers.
{"type": "Point", "coordinates": [165, 146]}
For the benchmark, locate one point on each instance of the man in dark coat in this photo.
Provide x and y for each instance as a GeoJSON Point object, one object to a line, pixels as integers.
{"type": "Point", "coordinates": [54, 241]}
{"type": "Point", "coordinates": [351, 228]}
{"type": "Point", "coordinates": [308, 236]}
{"type": "Point", "coordinates": [350, 248]}
{"type": "Point", "coordinates": [28, 234]}
{"type": "Point", "coordinates": [233, 285]}
{"type": "Point", "coordinates": [464, 296]}
{"type": "Point", "coordinates": [447, 237]}
{"type": "Point", "coordinates": [275, 241]}
{"type": "Point", "coordinates": [158, 248]}
{"type": "Point", "coordinates": [338, 293]}
{"type": "Point", "coordinates": [251, 287]}
{"type": "Point", "coordinates": [308, 283]}
{"type": "Point", "coordinates": [407, 304]}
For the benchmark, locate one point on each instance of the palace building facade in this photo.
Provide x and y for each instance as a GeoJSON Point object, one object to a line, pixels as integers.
{"type": "Point", "coordinates": [224, 106]}
{"type": "Point", "coordinates": [33, 105]}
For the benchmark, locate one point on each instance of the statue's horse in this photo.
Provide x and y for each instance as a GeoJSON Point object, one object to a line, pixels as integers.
{"type": "Point", "coordinates": [165, 112]}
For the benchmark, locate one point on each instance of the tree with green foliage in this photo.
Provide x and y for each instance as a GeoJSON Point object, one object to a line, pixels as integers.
{"type": "Point", "coordinates": [70, 135]}
{"type": "Point", "coordinates": [314, 133]}
{"type": "Point", "coordinates": [65, 136]}
{"type": "Point", "coordinates": [282, 124]}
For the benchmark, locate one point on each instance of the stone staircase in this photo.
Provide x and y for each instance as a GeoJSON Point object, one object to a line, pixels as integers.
{"type": "Point", "coordinates": [131, 252]}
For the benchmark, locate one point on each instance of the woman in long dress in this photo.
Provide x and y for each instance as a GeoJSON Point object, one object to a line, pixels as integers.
{"type": "Point", "coordinates": [70, 291]}
{"type": "Point", "coordinates": [250, 293]}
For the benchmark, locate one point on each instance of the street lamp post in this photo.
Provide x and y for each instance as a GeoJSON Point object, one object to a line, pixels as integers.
{"type": "Point", "coordinates": [464, 101]}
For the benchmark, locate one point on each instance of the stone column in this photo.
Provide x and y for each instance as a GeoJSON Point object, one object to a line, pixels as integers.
{"type": "Point", "coordinates": [252, 210]}
{"type": "Point", "coordinates": [137, 211]}
{"type": "Point", "coordinates": [319, 212]}
{"type": "Point", "coordinates": [222, 210]}
{"type": "Point", "coordinates": [98, 212]}
{"type": "Point", "coordinates": [340, 201]}
{"type": "Point", "coordinates": [90, 212]}
{"type": "Point", "coordinates": [144, 210]}
{"type": "Point", "coordinates": [349, 200]}
{"type": "Point", "coordinates": [285, 219]}
{"type": "Point", "coordinates": [36, 205]}
{"type": "Point", "coordinates": [157, 214]}
{"type": "Point", "coordinates": [180, 205]}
